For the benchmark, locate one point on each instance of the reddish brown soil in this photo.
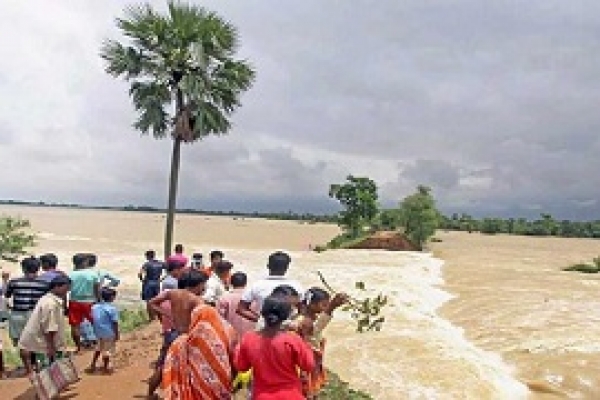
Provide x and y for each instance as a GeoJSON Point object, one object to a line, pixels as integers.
{"type": "Point", "coordinates": [132, 367]}
{"type": "Point", "coordinates": [393, 241]}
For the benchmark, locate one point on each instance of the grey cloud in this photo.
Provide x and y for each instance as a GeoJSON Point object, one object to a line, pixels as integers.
{"type": "Point", "coordinates": [492, 103]}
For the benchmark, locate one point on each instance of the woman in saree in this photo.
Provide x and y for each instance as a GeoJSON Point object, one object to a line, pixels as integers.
{"type": "Point", "coordinates": [199, 364]}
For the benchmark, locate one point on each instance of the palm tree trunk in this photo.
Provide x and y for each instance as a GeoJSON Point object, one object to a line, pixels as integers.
{"type": "Point", "coordinates": [173, 182]}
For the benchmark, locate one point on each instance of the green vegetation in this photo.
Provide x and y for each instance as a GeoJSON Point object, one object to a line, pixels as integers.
{"type": "Point", "coordinates": [358, 197]}
{"type": "Point", "coordinates": [592, 268]}
{"type": "Point", "coordinates": [336, 389]}
{"type": "Point", "coordinates": [183, 61]}
{"type": "Point", "coordinates": [419, 216]}
{"type": "Point", "coordinates": [416, 216]}
{"type": "Point", "coordinates": [14, 238]}
{"type": "Point", "coordinates": [366, 312]}
{"type": "Point", "coordinates": [546, 225]}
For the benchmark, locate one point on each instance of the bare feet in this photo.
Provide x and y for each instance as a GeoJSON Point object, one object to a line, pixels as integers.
{"type": "Point", "coordinates": [90, 370]}
{"type": "Point", "coordinates": [108, 371]}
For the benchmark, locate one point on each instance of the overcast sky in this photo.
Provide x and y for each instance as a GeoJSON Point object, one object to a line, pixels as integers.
{"type": "Point", "coordinates": [494, 104]}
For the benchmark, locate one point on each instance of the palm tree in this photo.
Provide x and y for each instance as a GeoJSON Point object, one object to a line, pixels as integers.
{"type": "Point", "coordinates": [185, 82]}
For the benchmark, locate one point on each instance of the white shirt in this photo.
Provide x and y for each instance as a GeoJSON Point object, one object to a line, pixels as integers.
{"type": "Point", "coordinates": [214, 289]}
{"type": "Point", "coordinates": [263, 288]}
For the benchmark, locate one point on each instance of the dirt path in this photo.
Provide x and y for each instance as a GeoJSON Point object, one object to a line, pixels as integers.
{"type": "Point", "coordinates": [136, 352]}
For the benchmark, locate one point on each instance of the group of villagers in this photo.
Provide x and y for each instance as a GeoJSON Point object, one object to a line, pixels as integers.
{"type": "Point", "coordinates": [221, 333]}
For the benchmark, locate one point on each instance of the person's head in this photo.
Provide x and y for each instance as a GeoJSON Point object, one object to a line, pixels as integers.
{"type": "Point", "coordinates": [194, 281]}
{"type": "Point", "coordinates": [238, 280]}
{"type": "Point", "coordinates": [316, 299]}
{"type": "Point", "coordinates": [216, 256]}
{"type": "Point", "coordinates": [223, 269]}
{"type": "Point", "coordinates": [197, 258]}
{"type": "Point", "coordinates": [275, 310]}
{"type": "Point", "coordinates": [80, 261]}
{"type": "Point", "coordinates": [178, 249]}
{"type": "Point", "coordinates": [150, 255]}
{"type": "Point", "coordinates": [278, 263]}
{"type": "Point", "coordinates": [30, 265]}
{"type": "Point", "coordinates": [175, 268]}
{"type": "Point", "coordinates": [287, 292]}
{"type": "Point", "coordinates": [108, 295]}
{"type": "Point", "coordinates": [60, 285]}
{"type": "Point", "coordinates": [92, 259]}
{"type": "Point", "coordinates": [49, 262]}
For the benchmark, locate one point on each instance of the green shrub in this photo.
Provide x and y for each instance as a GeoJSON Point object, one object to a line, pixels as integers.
{"type": "Point", "coordinates": [131, 319]}
{"type": "Point", "coordinates": [584, 268]}
{"type": "Point", "coordinates": [336, 389]}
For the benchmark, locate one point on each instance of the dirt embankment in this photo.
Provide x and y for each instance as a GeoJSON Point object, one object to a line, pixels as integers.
{"type": "Point", "coordinates": [392, 241]}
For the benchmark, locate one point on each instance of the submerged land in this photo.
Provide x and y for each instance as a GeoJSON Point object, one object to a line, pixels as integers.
{"type": "Point", "coordinates": [495, 312]}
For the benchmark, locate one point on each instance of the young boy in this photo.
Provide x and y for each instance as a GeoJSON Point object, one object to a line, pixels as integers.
{"type": "Point", "coordinates": [105, 317]}
{"type": "Point", "coordinates": [227, 305]}
{"type": "Point", "coordinates": [218, 283]}
{"type": "Point", "coordinates": [216, 256]}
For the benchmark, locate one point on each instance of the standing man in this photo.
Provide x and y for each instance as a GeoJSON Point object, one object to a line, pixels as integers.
{"type": "Point", "coordinates": [25, 293]}
{"type": "Point", "coordinates": [85, 291]}
{"type": "Point", "coordinates": [49, 263]}
{"type": "Point", "coordinates": [277, 265]}
{"type": "Point", "coordinates": [150, 275]}
{"type": "Point", "coordinates": [44, 333]}
{"type": "Point", "coordinates": [178, 256]}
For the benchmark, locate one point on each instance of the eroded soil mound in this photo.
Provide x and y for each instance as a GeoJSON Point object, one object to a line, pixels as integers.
{"type": "Point", "coordinates": [392, 241]}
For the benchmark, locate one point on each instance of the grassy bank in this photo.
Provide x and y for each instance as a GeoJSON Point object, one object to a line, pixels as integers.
{"type": "Point", "coordinates": [341, 241]}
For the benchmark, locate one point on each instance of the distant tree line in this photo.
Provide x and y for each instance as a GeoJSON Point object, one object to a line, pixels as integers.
{"type": "Point", "coordinates": [288, 216]}
{"type": "Point", "coordinates": [545, 225]}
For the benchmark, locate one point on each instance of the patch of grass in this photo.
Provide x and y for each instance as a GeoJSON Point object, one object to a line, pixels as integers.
{"type": "Point", "coordinates": [584, 268]}
{"type": "Point", "coordinates": [342, 241]}
{"type": "Point", "coordinates": [337, 389]}
{"type": "Point", "coordinates": [132, 319]}
{"type": "Point", "coordinates": [593, 268]}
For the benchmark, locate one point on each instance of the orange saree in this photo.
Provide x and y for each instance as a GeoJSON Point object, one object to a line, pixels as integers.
{"type": "Point", "coordinates": [198, 364]}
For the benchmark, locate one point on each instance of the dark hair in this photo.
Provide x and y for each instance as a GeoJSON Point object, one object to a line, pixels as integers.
{"type": "Point", "coordinates": [315, 295]}
{"type": "Point", "coordinates": [222, 267]}
{"type": "Point", "coordinates": [78, 260]}
{"type": "Point", "coordinates": [275, 310]}
{"type": "Point", "coordinates": [285, 291]}
{"type": "Point", "coordinates": [178, 248]}
{"type": "Point", "coordinates": [108, 294]}
{"type": "Point", "coordinates": [92, 259]}
{"type": "Point", "coordinates": [48, 261]}
{"type": "Point", "coordinates": [174, 264]}
{"type": "Point", "coordinates": [150, 254]}
{"type": "Point", "coordinates": [59, 280]}
{"type": "Point", "coordinates": [216, 253]}
{"type": "Point", "coordinates": [238, 279]}
{"type": "Point", "coordinates": [30, 265]}
{"type": "Point", "coordinates": [197, 256]}
{"type": "Point", "coordinates": [191, 278]}
{"type": "Point", "coordinates": [279, 263]}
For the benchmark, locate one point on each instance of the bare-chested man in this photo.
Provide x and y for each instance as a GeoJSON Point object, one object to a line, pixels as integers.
{"type": "Point", "coordinates": [183, 300]}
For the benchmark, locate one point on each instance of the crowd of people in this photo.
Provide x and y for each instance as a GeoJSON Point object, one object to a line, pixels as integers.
{"type": "Point", "coordinates": [219, 332]}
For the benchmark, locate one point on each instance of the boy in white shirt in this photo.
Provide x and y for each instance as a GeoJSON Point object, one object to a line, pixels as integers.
{"type": "Point", "coordinates": [218, 283]}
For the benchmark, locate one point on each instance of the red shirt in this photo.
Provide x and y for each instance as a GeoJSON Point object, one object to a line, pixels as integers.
{"type": "Point", "coordinates": [274, 362]}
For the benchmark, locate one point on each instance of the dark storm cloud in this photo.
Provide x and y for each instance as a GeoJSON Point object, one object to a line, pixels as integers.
{"type": "Point", "coordinates": [493, 104]}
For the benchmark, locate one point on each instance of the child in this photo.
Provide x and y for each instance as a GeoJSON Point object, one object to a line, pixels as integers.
{"type": "Point", "coordinates": [315, 314]}
{"type": "Point", "coordinates": [274, 355]}
{"type": "Point", "coordinates": [227, 305]}
{"type": "Point", "coordinates": [105, 317]}
{"type": "Point", "coordinates": [5, 277]}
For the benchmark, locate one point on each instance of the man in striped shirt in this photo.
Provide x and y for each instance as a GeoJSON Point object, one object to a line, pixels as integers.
{"type": "Point", "coordinates": [25, 293]}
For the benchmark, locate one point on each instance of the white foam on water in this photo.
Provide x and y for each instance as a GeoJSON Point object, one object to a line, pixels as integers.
{"type": "Point", "coordinates": [412, 281]}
